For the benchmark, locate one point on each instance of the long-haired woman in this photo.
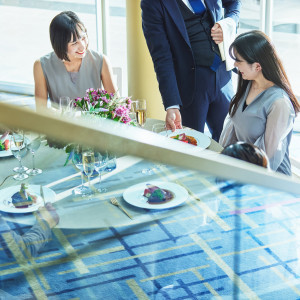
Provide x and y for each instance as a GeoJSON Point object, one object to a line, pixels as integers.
{"type": "Point", "coordinates": [263, 110]}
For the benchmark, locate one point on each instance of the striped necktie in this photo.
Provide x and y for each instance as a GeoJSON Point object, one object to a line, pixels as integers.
{"type": "Point", "coordinates": [197, 6]}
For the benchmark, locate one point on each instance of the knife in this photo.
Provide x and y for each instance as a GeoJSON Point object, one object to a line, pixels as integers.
{"type": "Point", "coordinates": [42, 194]}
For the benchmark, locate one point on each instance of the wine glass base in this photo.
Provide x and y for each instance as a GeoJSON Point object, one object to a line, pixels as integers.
{"type": "Point", "coordinates": [102, 190]}
{"type": "Point", "coordinates": [82, 190]}
{"type": "Point", "coordinates": [33, 172]}
{"type": "Point", "coordinates": [20, 177]}
{"type": "Point", "coordinates": [20, 170]}
{"type": "Point", "coordinates": [147, 171]}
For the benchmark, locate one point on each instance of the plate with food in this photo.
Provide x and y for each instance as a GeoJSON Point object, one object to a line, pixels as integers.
{"type": "Point", "coordinates": [155, 195]}
{"type": "Point", "coordinates": [24, 199]}
{"type": "Point", "coordinates": [189, 136]}
{"type": "Point", "coordinates": [4, 145]}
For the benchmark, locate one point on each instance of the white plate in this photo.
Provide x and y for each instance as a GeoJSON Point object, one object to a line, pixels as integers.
{"type": "Point", "coordinates": [7, 206]}
{"type": "Point", "coordinates": [203, 141]}
{"type": "Point", "coordinates": [5, 153]}
{"type": "Point", "coordinates": [134, 194]}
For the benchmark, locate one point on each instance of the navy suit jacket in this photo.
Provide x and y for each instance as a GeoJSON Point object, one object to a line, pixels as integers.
{"type": "Point", "coordinates": [169, 45]}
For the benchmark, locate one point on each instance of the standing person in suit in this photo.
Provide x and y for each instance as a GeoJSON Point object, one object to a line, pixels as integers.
{"type": "Point", "coordinates": [182, 37]}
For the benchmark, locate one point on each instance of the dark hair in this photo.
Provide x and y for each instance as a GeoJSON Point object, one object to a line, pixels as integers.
{"type": "Point", "coordinates": [255, 46]}
{"type": "Point", "coordinates": [247, 152]}
{"type": "Point", "coordinates": [62, 28]}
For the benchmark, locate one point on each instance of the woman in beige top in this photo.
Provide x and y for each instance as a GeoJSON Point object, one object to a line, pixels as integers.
{"type": "Point", "coordinates": [72, 68]}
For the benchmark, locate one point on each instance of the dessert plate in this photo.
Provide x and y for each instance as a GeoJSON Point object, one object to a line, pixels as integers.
{"type": "Point", "coordinates": [6, 201]}
{"type": "Point", "coordinates": [203, 141]}
{"type": "Point", "coordinates": [134, 195]}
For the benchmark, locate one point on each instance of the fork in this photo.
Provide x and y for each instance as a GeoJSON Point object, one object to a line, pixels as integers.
{"type": "Point", "coordinates": [115, 202]}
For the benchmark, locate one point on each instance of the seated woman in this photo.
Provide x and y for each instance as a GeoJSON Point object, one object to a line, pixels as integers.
{"type": "Point", "coordinates": [247, 152]}
{"type": "Point", "coordinates": [263, 110]}
{"type": "Point", "coordinates": [72, 68]}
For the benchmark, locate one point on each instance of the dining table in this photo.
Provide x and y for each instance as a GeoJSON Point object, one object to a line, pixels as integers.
{"type": "Point", "coordinates": [222, 239]}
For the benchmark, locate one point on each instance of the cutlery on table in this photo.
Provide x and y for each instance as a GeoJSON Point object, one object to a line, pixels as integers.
{"type": "Point", "coordinates": [42, 194]}
{"type": "Point", "coordinates": [115, 202]}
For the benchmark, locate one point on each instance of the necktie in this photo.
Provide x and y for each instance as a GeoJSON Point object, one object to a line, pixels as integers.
{"type": "Point", "coordinates": [197, 6]}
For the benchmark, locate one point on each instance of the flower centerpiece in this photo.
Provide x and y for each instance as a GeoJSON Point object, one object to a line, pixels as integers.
{"type": "Point", "coordinates": [105, 105]}
{"type": "Point", "coordinates": [98, 102]}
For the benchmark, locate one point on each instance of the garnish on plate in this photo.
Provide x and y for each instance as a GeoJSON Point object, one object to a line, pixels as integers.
{"type": "Point", "coordinates": [4, 142]}
{"type": "Point", "coordinates": [185, 138]}
{"type": "Point", "coordinates": [156, 195]}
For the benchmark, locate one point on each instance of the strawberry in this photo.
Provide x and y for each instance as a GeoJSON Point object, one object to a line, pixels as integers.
{"type": "Point", "coordinates": [6, 144]}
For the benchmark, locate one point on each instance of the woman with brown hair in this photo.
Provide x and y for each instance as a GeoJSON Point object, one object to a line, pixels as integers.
{"type": "Point", "coordinates": [263, 110]}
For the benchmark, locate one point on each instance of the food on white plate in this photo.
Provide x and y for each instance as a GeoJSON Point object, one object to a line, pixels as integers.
{"type": "Point", "coordinates": [156, 195]}
{"type": "Point", "coordinates": [23, 199]}
{"type": "Point", "coordinates": [185, 138]}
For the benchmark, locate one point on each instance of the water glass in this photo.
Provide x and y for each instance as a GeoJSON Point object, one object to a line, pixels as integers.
{"type": "Point", "coordinates": [111, 163]}
{"type": "Point", "coordinates": [33, 145]}
{"type": "Point", "coordinates": [64, 104]}
{"type": "Point", "coordinates": [77, 161]}
{"type": "Point", "coordinates": [101, 159]}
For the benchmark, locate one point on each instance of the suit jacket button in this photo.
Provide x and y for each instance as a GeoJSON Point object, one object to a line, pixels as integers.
{"type": "Point", "coordinates": [193, 68]}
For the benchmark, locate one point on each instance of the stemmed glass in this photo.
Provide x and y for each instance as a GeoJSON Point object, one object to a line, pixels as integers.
{"type": "Point", "coordinates": [140, 112]}
{"type": "Point", "coordinates": [77, 161]}
{"type": "Point", "coordinates": [33, 146]}
{"type": "Point", "coordinates": [88, 160]}
{"type": "Point", "coordinates": [19, 150]}
{"type": "Point", "coordinates": [101, 160]}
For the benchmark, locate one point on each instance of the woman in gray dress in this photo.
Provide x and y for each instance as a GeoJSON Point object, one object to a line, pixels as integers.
{"type": "Point", "coordinates": [72, 68]}
{"type": "Point", "coordinates": [263, 110]}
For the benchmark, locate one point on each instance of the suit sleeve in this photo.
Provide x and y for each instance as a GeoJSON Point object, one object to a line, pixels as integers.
{"type": "Point", "coordinates": [232, 9]}
{"type": "Point", "coordinates": [160, 50]}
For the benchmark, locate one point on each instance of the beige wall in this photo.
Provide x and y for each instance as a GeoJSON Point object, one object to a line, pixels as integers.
{"type": "Point", "coordinates": [142, 83]}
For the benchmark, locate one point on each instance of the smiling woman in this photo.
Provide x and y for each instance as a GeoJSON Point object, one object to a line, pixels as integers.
{"type": "Point", "coordinates": [263, 110]}
{"type": "Point", "coordinates": [71, 68]}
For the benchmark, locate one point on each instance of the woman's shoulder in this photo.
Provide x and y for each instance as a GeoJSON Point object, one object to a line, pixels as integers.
{"type": "Point", "coordinates": [95, 55]}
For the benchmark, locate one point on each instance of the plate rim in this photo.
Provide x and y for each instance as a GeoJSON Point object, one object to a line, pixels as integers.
{"type": "Point", "coordinates": [158, 183]}
{"type": "Point", "coordinates": [27, 209]}
{"type": "Point", "coordinates": [191, 132]}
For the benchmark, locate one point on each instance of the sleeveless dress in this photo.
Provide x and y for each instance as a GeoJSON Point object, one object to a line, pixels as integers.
{"type": "Point", "coordinates": [266, 122]}
{"type": "Point", "coordinates": [60, 82]}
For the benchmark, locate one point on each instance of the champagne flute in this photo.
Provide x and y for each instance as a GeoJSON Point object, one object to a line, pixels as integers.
{"type": "Point", "coordinates": [88, 160]}
{"type": "Point", "coordinates": [140, 112]}
{"type": "Point", "coordinates": [33, 146]}
{"type": "Point", "coordinates": [19, 150]}
{"type": "Point", "coordinates": [101, 160]}
{"type": "Point", "coordinates": [77, 161]}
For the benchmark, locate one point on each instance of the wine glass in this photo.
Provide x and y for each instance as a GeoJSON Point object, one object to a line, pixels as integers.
{"type": "Point", "coordinates": [88, 161]}
{"type": "Point", "coordinates": [101, 160]}
{"type": "Point", "coordinates": [77, 161]}
{"type": "Point", "coordinates": [19, 150]}
{"type": "Point", "coordinates": [140, 112]}
{"type": "Point", "coordinates": [33, 146]}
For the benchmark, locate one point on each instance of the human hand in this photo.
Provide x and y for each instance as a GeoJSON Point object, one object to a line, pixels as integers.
{"type": "Point", "coordinates": [217, 33]}
{"type": "Point", "coordinates": [173, 119]}
{"type": "Point", "coordinates": [48, 213]}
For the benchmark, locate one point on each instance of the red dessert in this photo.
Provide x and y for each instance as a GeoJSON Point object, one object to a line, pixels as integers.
{"type": "Point", "coordinates": [156, 195]}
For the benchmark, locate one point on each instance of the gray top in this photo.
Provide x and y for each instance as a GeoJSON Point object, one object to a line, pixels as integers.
{"type": "Point", "coordinates": [60, 82]}
{"type": "Point", "coordinates": [267, 122]}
